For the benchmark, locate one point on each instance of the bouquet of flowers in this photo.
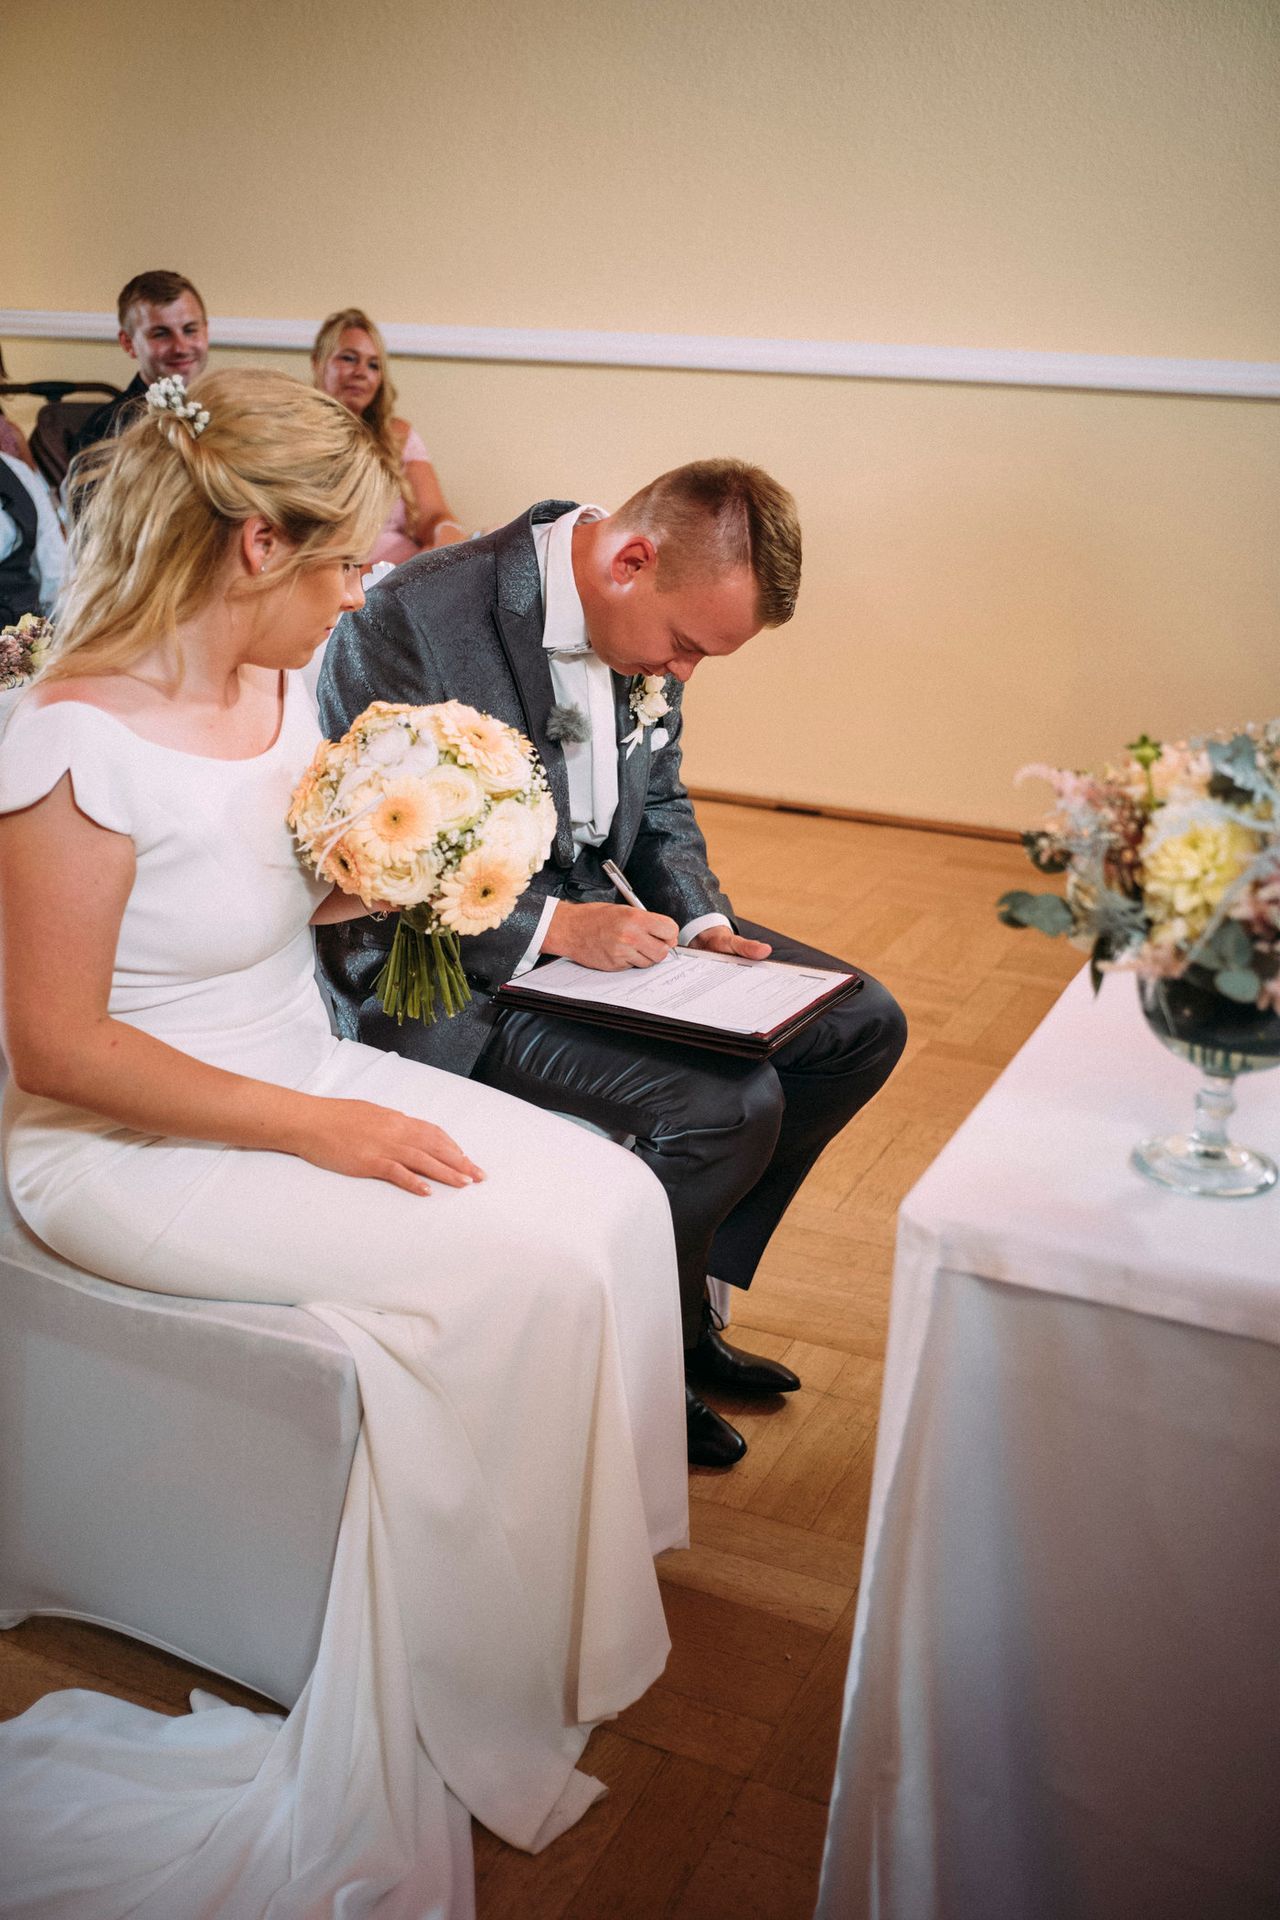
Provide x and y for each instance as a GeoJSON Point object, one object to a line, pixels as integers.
{"type": "Point", "coordinates": [1172, 864]}
{"type": "Point", "coordinates": [23, 648]}
{"type": "Point", "coordinates": [442, 812]}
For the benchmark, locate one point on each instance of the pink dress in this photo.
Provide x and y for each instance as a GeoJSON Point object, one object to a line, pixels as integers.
{"type": "Point", "coordinates": [394, 543]}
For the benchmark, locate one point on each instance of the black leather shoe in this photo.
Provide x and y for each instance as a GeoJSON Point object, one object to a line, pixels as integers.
{"type": "Point", "coordinates": [714, 1363]}
{"type": "Point", "coordinates": [712, 1441]}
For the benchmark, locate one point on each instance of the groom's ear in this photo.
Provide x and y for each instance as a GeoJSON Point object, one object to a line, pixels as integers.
{"type": "Point", "coordinates": [635, 556]}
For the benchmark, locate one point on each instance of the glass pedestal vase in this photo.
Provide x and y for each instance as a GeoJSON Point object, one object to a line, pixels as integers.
{"type": "Point", "coordinates": [1223, 1039]}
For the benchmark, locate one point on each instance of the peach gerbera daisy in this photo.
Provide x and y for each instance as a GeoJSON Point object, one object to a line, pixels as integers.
{"type": "Point", "coordinates": [349, 870]}
{"type": "Point", "coordinates": [480, 892]}
{"type": "Point", "coordinates": [497, 752]}
{"type": "Point", "coordinates": [403, 820]}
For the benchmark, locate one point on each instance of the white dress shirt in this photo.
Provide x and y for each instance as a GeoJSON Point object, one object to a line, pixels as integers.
{"type": "Point", "coordinates": [49, 557]}
{"type": "Point", "coordinates": [580, 679]}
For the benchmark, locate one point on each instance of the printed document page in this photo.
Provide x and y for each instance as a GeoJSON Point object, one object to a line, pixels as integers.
{"type": "Point", "coordinates": [715, 990]}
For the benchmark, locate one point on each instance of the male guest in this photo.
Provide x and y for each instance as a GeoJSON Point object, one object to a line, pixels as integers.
{"type": "Point", "coordinates": [164, 327]}
{"type": "Point", "coordinates": [32, 549]}
{"type": "Point", "coordinates": [550, 623]}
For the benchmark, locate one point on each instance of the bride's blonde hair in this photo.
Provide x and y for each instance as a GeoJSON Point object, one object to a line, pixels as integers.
{"type": "Point", "coordinates": [159, 509]}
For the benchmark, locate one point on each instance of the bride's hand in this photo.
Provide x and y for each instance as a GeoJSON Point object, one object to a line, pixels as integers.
{"type": "Point", "coordinates": [338, 906]}
{"type": "Point", "coordinates": [377, 1143]}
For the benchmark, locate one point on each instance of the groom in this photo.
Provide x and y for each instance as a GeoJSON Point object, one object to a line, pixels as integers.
{"type": "Point", "coordinates": [553, 624]}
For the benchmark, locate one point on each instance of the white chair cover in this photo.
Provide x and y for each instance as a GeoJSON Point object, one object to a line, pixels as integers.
{"type": "Point", "coordinates": [173, 1468]}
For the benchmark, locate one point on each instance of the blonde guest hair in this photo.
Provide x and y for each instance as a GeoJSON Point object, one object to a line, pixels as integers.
{"type": "Point", "coordinates": [159, 508]}
{"type": "Point", "coordinates": [379, 415]}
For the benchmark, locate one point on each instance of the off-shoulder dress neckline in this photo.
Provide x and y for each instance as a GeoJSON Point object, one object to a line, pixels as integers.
{"type": "Point", "coordinates": [184, 753]}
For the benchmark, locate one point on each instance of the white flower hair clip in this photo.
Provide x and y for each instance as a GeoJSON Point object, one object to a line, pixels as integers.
{"type": "Point", "coordinates": [170, 396]}
{"type": "Point", "coordinates": [648, 703]}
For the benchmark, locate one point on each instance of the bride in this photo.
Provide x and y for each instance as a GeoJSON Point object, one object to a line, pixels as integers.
{"type": "Point", "coordinates": [180, 1118]}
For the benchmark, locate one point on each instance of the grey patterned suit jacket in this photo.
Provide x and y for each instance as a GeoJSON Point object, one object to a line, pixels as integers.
{"type": "Point", "coordinates": [465, 623]}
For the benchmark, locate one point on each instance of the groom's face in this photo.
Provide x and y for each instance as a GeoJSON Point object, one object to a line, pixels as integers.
{"type": "Point", "coordinates": [635, 627]}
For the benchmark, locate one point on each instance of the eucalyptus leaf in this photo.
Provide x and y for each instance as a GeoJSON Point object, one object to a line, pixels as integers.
{"type": "Point", "coordinates": [1238, 983]}
{"type": "Point", "coordinates": [1228, 949]}
{"type": "Point", "coordinates": [1236, 761]}
{"type": "Point", "coordinates": [1046, 912]}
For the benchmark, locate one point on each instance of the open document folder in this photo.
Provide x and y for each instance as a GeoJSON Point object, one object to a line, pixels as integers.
{"type": "Point", "coordinates": [751, 1007]}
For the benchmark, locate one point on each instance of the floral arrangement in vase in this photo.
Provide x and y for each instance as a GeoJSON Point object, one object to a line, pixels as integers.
{"type": "Point", "coordinates": [1172, 864]}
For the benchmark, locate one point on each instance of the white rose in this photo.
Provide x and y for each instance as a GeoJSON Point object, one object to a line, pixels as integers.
{"type": "Point", "coordinates": [544, 809]}
{"type": "Point", "coordinates": [512, 832]}
{"type": "Point", "coordinates": [420, 757]}
{"type": "Point", "coordinates": [454, 794]}
{"type": "Point", "coordinates": [387, 745]}
{"type": "Point", "coordinates": [354, 789]}
{"type": "Point", "coordinates": [399, 885]}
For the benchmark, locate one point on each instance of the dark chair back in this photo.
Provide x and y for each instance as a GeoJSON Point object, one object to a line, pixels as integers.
{"type": "Point", "coordinates": [59, 419]}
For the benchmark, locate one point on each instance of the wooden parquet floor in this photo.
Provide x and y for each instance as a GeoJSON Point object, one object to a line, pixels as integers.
{"type": "Point", "coordinates": [718, 1778]}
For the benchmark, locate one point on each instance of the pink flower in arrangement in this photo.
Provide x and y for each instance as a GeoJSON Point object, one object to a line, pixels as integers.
{"type": "Point", "coordinates": [1170, 862]}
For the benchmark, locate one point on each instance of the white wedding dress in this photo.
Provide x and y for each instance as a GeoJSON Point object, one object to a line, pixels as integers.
{"type": "Point", "coordinates": [517, 1345]}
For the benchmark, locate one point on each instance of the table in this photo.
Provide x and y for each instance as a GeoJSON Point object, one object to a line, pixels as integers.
{"type": "Point", "coordinates": [1063, 1699]}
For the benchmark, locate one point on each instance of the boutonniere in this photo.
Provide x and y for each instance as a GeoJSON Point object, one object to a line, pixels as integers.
{"type": "Point", "coordinates": [648, 703]}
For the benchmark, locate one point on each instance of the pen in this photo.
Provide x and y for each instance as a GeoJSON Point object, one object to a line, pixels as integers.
{"type": "Point", "coordinates": [623, 886]}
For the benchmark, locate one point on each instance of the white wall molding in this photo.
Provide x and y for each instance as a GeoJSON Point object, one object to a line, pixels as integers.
{"type": "Point", "coordinates": [728, 353]}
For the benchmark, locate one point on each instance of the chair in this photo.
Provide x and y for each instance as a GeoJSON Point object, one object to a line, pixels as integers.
{"type": "Point", "coordinates": [171, 1468]}
{"type": "Point", "coordinates": [59, 419]}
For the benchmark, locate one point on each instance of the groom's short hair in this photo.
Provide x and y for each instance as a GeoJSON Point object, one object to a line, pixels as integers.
{"type": "Point", "coordinates": [715, 516]}
{"type": "Point", "coordinates": [157, 288]}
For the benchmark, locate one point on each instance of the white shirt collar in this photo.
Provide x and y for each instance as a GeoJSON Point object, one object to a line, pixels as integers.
{"type": "Point", "coordinates": [564, 625]}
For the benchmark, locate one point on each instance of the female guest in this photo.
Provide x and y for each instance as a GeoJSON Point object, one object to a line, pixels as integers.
{"type": "Point", "coordinates": [181, 1119]}
{"type": "Point", "coordinates": [349, 361]}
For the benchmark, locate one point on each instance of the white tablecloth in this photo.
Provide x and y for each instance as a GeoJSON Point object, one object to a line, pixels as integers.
{"type": "Point", "coordinates": [1063, 1699]}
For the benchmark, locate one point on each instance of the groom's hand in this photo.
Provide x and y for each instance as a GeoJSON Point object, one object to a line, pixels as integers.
{"type": "Point", "coordinates": [609, 938]}
{"type": "Point", "coordinates": [725, 940]}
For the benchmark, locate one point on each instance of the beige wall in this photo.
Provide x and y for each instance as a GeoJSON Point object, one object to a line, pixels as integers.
{"type": "Point", "coordinates": [992, 575]}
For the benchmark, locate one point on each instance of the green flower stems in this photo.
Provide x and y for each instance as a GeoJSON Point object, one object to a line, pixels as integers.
{"type": "Point", "coordinates": [420, 969]}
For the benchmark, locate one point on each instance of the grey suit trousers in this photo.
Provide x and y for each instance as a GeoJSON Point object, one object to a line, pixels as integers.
{"type": "Point", "coordinates": [730, 1140]}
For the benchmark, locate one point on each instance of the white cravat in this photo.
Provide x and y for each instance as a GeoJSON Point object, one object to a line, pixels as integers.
{"type": "Point", "coordinates": [578, 679]}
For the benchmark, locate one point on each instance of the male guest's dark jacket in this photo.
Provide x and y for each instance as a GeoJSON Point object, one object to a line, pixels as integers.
{"type": "Point", "coordinates": [106, 421]}
{"type": "Point", "coordinates": [465, 623]}
{"type": "Point", "coordinates": [18, 591]}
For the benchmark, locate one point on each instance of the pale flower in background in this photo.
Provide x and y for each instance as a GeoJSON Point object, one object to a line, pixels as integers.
{"type": "Point", "coordinates": [24, 648]}
{"type": "Point", "coordinates": [1181, 773]}
{"type": "Point", "coordinates": [1186, 875]}
{"type": "Point", "coordinates": [1170, 862]}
